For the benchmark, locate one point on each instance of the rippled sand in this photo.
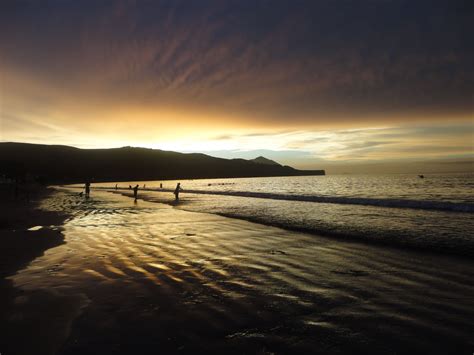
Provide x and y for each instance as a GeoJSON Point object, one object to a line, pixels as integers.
{"type": "Point", "coordinates": [148, 278]}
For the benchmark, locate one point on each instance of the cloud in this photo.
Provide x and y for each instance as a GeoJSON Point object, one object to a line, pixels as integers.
{"type": "Point", "coordinates": [305, 61]}
{"type": "Point", "coordinates": [330, 79]}
{"type": "Point", "coordinates": [303, 148]}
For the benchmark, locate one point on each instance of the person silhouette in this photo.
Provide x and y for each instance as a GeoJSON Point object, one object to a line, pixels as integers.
{"type": "Point", "coordinates": [177, 190]}
{"type": "Point", "coordinates": [88, 188]}
{"type": "Point", "coordinates": [135, 192]}
{"type": "Point", "coordinates": [115, 186]}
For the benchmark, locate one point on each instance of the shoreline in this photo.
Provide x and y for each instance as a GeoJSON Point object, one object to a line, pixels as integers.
{"type": "Point", "coordinates": [147, 276]}
{"type": "Point", "coordinates": [17, 223]}
{"type": "Point", "coordinates": [401, 245]}
{"type": "Point", "coordinates": [20, 245]}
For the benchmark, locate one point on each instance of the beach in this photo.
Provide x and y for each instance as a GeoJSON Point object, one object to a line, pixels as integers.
{"type": "Point", "coordinates": [236, 177]}
{"type": "Point", "coordinates": [148, 277]}
{"type": "Point", "coordinates": [21, 241]}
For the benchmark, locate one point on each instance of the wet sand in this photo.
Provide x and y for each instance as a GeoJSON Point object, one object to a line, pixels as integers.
{"type": "Point", "coordinates": [21, 241]}
{"type": "Point", "coordinates": [147, 278]}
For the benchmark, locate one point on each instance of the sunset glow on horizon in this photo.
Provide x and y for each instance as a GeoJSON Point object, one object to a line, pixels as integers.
{"type": "Point", "coordinates": [310, 83]}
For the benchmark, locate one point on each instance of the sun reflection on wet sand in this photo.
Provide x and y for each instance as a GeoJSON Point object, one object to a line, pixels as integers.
{"type": "Point", "coordinates": [206, 282]}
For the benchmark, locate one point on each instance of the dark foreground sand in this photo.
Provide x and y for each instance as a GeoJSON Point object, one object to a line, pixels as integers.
{"type": "Point", "coordinates": [20, 243]}
{"type": "Point", "coordinates": [149, 278]}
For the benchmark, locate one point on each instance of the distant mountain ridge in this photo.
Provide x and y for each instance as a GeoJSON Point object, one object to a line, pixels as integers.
{"type": "Point", "coordinates": [57, 163]}
{"type": "Point", "coordinates": [263, 160]}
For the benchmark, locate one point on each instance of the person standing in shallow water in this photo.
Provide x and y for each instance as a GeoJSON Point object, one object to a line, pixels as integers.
{"type": "Point", "coordinates": [88, 188]}
{"type": "Point", "coordinates": [177, 190]}
{"type": "Point", "coordinates": [135, 192]}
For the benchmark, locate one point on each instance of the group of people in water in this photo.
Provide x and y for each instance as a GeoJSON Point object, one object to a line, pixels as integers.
{"type": "Point", "coordinates": [177, 190]}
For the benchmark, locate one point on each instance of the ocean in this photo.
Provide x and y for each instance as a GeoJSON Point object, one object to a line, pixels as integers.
{"type": "Point", "coordinates": [434, 213]}
{"type": "Point", "coordinates": [136, 276]}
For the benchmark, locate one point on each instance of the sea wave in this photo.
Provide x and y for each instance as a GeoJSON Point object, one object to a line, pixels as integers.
{"type": "Point", "coordinates": [418, 229]}
{"type": "Point", "coordinates": [445, 245]}
{"type": "Point", "coordinates": [366, 201]}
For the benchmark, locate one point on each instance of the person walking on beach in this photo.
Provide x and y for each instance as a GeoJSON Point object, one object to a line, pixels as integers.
{"type": "Point", "coordinates": [135, 192]}
{"type": "Point", "coordinates": [177, 190]}
{"type": "Point", "coordinates": [88, 188]}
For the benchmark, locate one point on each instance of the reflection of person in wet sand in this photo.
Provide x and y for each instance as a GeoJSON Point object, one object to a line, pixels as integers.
{"type": "Point", "coordinates": [88, 188]}
{"type": "Point", "coordinates": [177, 190]}
{"type": "Point", "coordinates": [135, 192]}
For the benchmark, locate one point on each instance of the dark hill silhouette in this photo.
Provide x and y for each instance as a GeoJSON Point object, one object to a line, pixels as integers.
{"type": "Point", "coordinates": [56, 163]}
{"type": "Point", "coordinates": [263, 160]}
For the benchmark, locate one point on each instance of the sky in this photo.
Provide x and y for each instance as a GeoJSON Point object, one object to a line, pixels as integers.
{"type": "Point", "coordinates": [312, 84]}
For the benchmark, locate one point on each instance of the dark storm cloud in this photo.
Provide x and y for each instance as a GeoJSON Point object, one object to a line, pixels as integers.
{"type": "Point", "coordinates": [267, 60]}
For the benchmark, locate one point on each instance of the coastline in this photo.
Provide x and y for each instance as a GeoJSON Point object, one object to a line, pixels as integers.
{"type": "Point", "coordinates": [147, 276]}
{"type": "Point", "coordinates": [17, 217]}
{"type": "Point", "coordinates": [19, 247]}
{"type": "Point", "coordinates": [415, 236]}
